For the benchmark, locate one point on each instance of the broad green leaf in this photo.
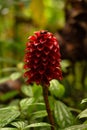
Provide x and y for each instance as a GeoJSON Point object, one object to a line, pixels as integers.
{"type": "Point", "coordinates": [8, 114]}
{"type": "Point", "coordinates": [62, 115]}
{"type": "Point", "coordinates": [27, 90]}
{"type": "Point", "coordinates": [25, 103]}
{"type": "Point", "coordinates": [19, 124]}
{"type": "Point", "coordinates": [65, 64]}
{"type": "Point", "coordinates": [39, 114]}
{"type": "Point", "coordinates": [83, 114]}
{"type": "Point", "coordinates": [28, 105]}
{"type": "Point", "coordinates": [15, 75]}
{"type": "Point", "coordinates": [37, 92]}
{"type": "Point", "coordinates": [41, 124]}
{"type": "Point", "coordinates": [77, 127]}
{"type": "Point", "coordinates": [56, 88]}
{"type": "Point", "coordinates": [8, 128]}
{"type": "Point", "coordinates": [84, 100]}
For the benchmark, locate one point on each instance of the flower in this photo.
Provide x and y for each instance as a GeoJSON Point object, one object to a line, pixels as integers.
{"type": "Point", "coordinates": [42, 58]}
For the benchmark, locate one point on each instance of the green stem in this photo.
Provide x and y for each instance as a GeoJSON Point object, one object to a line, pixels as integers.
{"type": "Point", "coordinates": [50, 117]}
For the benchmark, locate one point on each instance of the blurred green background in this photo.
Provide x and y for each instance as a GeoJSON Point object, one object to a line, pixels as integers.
{"type": "Point", "coordinates": [18, 20]}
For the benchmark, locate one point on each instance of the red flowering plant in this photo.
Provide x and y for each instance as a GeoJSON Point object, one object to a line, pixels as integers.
{"type": "Point", "coordinates": [42, 63]}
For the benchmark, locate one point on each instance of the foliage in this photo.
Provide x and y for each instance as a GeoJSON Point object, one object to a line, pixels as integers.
{"type": "Point", "coordinates": [29, 112]}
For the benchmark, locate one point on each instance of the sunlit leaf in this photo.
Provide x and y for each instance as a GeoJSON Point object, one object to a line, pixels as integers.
{"type": "Point", "coordinates": [77, 127]}
{"type": "Point", "coordinates": [30, 104]}
{"type": "Point", "coordinates": [39, 114]}
{"type": "Point", "coordinates": [56, 88]}
{"type": "Point", "coordinates": [7, 115]}
{"type": "Point", "coordinates": [41, 124]}
{"type": "Point", "coordinates": [27, 90]}
{"type": "Point", "coordinates": [65, 64]}
{"type": "Point", "coordinates": [83, 114]}
{"type": "Point", "coordinates": [8, 128]}
{"type": "Point", "coordinates": [15, 75]}
{"type": "Point", "coordinates": [84, 100]}
{"type": "Point", "coordinates": [62, 115]}
{"type": "Point", "coordinates": [25, 103]}
{"type": "Point", "coordinates": [19, 124]}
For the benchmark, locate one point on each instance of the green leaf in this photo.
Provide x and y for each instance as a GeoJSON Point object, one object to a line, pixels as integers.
{"type": "Point", "coordinates": [28, 105]}
{"type": "Point", "coordinates": [8, 128]}
{"type": "Point", "coordinates": [37, 89]}
{"type": "Point", "coordinates": [39, 114]}
{"type": "Point", "coordinates": [25, 103]}
{"type": "Point", "coordinates": [83, 114]}
{"type": "Point", "coordinates": [41, 124]}
{"type": "Point", "coordinates": [84, 100]}
{"type": "Point", "coordinates": [62, 115]}
{"type": "Point", "coordinates": [8, 114]}
{"type": "Point", "coordinates": [56, 88]}
{"type": "Point", "coordinates": [19, 124]}
{"type": "Point", "coordinates": [15, 75]}
{"type": "Point", "coordinates": [27, 90]}
{"type": "Point", "coordinates": [77, 127]}
{"type": "Point", "coordinates": [65, 64]}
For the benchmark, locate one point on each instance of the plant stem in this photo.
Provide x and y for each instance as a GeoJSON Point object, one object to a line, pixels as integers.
{"type": "Point", "coordinates": [50, 117]}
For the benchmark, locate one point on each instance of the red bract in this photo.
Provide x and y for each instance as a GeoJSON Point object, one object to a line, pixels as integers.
{"type": "Point", "coordinates": [42, 58]}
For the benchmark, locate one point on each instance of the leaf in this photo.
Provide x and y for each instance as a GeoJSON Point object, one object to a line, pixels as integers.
{"type": "Point", "coordinates": [39, 114]}
{"type": "Point", "coordinates": [62, 115]}
{"type": "Point", "coordinates": [84, 100]}
{"type": "Point", "coordinates": [25, 103]}
{"type": "Point", "coordinates": [8, 114]}
{"type": "Point", "coordinates": [27, 90]}
{"type": "Point", "coordinates": [83, 114]}
{"type": "Point", "coordinates": [77, 127]}
{"type": "Point", "coordinates": [15, 75]}
{"type": "Point", "coordinates": [8, 128]}
{"type": "Point", "coordinates": [19, 124]}
{"type": "Point", "coordinates": [65, 64]}
{"type": "Point", "coordinates": [28, 105]}
{"type": "Point", "coordinates": [37, 89]}
{"type": "Point", "coordinates": [56, 88]}
{"type": "Point", "coordinates": [41, 124]}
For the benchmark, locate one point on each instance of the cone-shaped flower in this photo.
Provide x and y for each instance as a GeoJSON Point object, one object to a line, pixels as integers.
{"type": "Point", "coordinates": [42, 58]}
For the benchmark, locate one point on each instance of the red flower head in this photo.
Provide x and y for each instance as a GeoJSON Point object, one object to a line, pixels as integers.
{"type": "Point", "coordinates": [42, 58]}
